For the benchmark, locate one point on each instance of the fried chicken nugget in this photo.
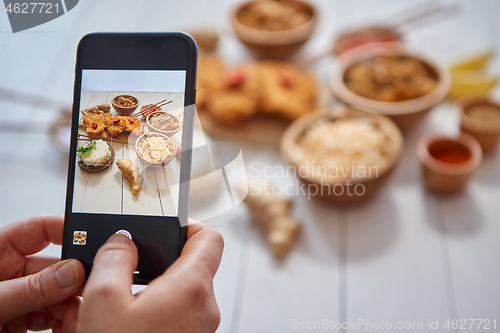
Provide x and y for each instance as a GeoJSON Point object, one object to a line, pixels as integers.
{"type": "Point", "coordinates": [286, 91]}
{"type": "Point", "coordinates": [95, 123]}
{"type": "Point", "coordinates": [238, 99]}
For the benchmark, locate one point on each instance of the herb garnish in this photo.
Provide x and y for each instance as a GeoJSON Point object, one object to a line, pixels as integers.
{"type": "Point", "coordinates": [86, 149]}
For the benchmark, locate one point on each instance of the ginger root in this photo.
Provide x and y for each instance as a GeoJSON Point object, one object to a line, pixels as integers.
{"type": "Point", "coordinates": [272, 213]}
{"type": "Point", "coordinates": [130, 171]}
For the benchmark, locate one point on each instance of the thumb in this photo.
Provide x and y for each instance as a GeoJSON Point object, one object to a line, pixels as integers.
{"type": "Point", "coordinates": [33, 292]}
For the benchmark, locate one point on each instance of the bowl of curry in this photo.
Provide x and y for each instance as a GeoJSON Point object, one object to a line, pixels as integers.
{"type": "Point", "coordinates": [401, 84]}
{"type": "Point", "coordinates": [163, 122]}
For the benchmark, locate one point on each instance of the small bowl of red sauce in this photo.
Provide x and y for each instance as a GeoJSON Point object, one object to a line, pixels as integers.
{"type": "Point", "coordinates": [448, 163]}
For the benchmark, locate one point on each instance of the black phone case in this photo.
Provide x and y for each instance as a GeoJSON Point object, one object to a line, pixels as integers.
{"type": "Point", "coordinates": [159, 239]}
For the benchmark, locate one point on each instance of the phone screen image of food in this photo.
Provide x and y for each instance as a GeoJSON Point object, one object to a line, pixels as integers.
{"type": "Point", "coordinates": [129, 139]}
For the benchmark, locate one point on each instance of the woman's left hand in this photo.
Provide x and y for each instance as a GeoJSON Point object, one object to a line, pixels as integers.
{"type": "Point", "coordinates": [36, 291]}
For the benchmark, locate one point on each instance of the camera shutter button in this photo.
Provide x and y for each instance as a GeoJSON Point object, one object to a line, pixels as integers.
{"type": "Point", "coordinates": [124, 232]}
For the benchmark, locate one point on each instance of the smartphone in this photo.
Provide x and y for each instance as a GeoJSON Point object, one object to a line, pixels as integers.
{"type": "Point", "coordinates": [130, 154]}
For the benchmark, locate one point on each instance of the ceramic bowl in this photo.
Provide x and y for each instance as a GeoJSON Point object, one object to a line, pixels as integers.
{"type": "Point", "coordinates": [453, 176]}
{"type": "Point", "coordinates": [487, 133]}
{"type": "Point", "coordinates": [148, 160]}
{"type": "Point", "coordinates": [154, 129]}
{"type": "Point", "coordinates": [275, 44]}
{"type": "Point", "coordinates": [406, 114]}
{"type": "Point", "coordinates": [337, 190]}
{"type": "Point", "coordinates": [124, 111]}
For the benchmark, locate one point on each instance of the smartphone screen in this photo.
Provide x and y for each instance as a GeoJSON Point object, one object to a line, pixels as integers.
{"type": "Point", "coordinates": [109, 191]}
{"type": "Point", "coordinates": [131, 144]}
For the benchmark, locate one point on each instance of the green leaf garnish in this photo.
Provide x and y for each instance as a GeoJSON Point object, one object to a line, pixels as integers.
{"type": "Point", "coordinates": [85, 149]}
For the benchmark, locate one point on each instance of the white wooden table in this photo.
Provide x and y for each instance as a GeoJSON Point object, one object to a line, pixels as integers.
{"type": "Point", "coordinates": [407, 256]}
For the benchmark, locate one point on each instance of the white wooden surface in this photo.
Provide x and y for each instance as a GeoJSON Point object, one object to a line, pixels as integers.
{"type": "Point", "coordinates": [406, 256]}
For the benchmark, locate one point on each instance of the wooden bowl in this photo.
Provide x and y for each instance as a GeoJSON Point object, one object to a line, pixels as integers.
{"type": "Point", "coordinates": [97, 168]}
{"type": "Point", "coordinates": [275, 44]}
{"type": "Point", "coordinates": [337, 190]}
{"type": "Point", "coordinates": [154, 129]}
{"type": "Point", "coordinates": [124, 111]}
{"type": "Point", "coordinates": [487, 133]}
{"type": "Point", "coordinates": [147, 159]}
{"type": "Point", "coordinates": [406, 114]}
{"type": "Point", "coordinates": [443, 177]}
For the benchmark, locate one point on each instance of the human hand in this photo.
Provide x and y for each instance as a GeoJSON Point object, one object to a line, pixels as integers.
{"type": "Point", "coordinates": [180, 300]}
{"type": "Point", "coordinates": [36, 291]}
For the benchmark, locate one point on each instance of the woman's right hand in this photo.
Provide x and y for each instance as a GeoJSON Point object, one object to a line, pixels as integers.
{"type": "Point", "coordinates": [180, 300]}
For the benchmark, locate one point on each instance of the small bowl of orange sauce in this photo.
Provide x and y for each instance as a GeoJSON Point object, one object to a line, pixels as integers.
{"type": "Point", "coordinates": [448, 163]}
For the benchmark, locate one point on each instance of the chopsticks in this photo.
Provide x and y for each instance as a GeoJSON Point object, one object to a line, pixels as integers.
{"type": "Point", "coordinates": [149, 108]}
{"type": "Point", "coordinates": [91, 138]}
{"type": "Point", "coordinates": [425, 14]}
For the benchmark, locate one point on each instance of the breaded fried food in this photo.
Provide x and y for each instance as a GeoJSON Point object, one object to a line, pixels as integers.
{"type": "Point", "coordinates": [286, 91]}
{"type": "Point", "coordinates": [130, 123]}
{"type": "Point", "coordinates": [239, 97]}
{"type": "Point", "coordinates": [120, 124]}
{"type": "Point", "coordinates": [210, 78]}
{"type": "Point", "coordinates": [96, 123]}
{"type": "Point", "coordinates": [116, 127]}
{"type": "Point", "coordinates": [231, 108]}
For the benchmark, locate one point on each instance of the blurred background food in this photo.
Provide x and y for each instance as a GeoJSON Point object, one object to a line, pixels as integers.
{"type": "Point", "coordinates": [399, 83]}
{"type": "Point", "coordinates": [342, 153]}
{"type": "Point", "coordinates": [480, 118]}
{"type": "Point", "coordinates": [470, 77]}
{"type": "Point", "coordinates": [274, 29]}
{"type": "Point", "coordinates": [448, 163]}
{"type": "Point", "coordinates": [272, 78]}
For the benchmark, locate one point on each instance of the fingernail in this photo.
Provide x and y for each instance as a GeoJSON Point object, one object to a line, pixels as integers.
{"type": "Point", "coordinates": [119, 238]}
{"type": "Point", "coordinates": [67, 274]}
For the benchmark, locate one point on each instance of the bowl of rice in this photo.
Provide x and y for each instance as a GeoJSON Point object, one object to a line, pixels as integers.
{"type": "Point", "coordinates": [95, 156]}
{"type": "Point", "coordinates": [155, 148]}
{"type": "Point", "coordinates": [343, 155]}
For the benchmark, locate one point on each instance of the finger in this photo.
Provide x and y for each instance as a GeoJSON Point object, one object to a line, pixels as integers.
{"type": "Point", "coordinates": [112, 273]}
{"type": "Point", "coordinates": [47, 287]}
{"type": "Point", "coordinates": [35, 263]}
{"type": "Point", "coordinates": [66, 312]}
{"type": "Point", "coordinates": [58, 327]}
{"type": "Point", "coordinates": [201, 253]}
{"type": "Point", "coordinates": [36, 321]}
{"type": "Point", "coordinates": [33, 234]}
